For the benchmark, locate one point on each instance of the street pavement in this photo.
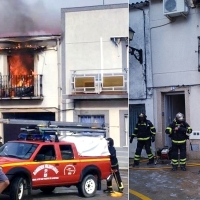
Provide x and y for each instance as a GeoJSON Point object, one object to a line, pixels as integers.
{"type": "Point", "coordinates": [158, 182]}
{"type": "Point", "coordinates": [71, 193]}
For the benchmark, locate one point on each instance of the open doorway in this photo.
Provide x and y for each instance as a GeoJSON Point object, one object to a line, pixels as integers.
{"type": "Point", "coordinates": [173, 103]}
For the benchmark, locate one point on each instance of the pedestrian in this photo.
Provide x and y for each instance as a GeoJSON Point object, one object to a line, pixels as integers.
{"type": "Point", "coordinates": [4, 182]}
{"type": "Point", "coordinates": [114, 168]}
{"type": "Point", "coordinates": [145, 133]}
{"type": "Point", "coordinates": [177, 132]}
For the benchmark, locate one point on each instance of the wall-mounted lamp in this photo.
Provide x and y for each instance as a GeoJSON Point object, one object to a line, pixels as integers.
{"type": "Point", "coordinates": [131, 34]}
{"type": "Point", "coordinates": [138, 54]}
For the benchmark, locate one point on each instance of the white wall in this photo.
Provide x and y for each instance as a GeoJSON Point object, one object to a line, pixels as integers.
{"type": "Point", "coordinates": [83, 33]}
{"type": "Point", "coordinates": [174, 46]}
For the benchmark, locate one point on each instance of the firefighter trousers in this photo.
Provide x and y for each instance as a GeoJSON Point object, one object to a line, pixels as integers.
{"type": "Point", "coordinates": [175, 149]}
{"type": "Point", "coordinates": [140, 145]}
{"type": "Point", "coordinates": [117, 177]}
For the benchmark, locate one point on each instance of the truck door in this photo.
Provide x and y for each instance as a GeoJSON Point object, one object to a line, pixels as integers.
{"type": "Point", "coordinates": [46, 170]}
{"type": "Point", "coordinates": [70, 166]}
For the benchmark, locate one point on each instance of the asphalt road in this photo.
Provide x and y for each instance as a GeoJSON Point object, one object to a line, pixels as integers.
{"type": "Point", "coordinates": [71, 193]}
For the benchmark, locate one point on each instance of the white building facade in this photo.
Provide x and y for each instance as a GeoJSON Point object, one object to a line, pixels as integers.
{"type": "Point", "coordinates": [174, 60]}
{"type": "Point", "coordinates": [95, 66]}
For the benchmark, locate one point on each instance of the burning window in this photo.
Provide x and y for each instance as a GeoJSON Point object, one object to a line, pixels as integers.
{"type": "Point", "coordinates": [21, 69]}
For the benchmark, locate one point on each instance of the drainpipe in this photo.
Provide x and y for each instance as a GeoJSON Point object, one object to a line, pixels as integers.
{"type": "Point", "coordinates": [145, 56]}
{"type": "Point", "coordinates": [59, 79]}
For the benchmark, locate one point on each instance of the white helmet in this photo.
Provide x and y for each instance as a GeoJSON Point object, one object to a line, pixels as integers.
{"type": "Point", "coordinates": [180, 117]}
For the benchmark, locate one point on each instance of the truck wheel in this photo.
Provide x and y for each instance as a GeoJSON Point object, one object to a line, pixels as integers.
{"type": "Point", "coordinates": [47, 190]}
{"type": "Point", "coordinates": [88, 186]}
{"type": "Point", "coordinates": [17, 188]}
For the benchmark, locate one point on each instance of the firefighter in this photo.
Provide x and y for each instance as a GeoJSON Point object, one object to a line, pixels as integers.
{"type": "Point", "coordinates": [177, 132]}
{"type": "Point", "coordinates": [145, 133]}
{"type": "Point", "coordinates": [114, 168]}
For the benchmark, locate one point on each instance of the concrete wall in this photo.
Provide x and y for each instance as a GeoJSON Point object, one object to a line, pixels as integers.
{"type": "Point", "coordinates": [87, 40]}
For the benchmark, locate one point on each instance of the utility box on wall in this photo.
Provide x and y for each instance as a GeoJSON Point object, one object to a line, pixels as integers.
{"type": "Point", "coordinates": [174, 8]}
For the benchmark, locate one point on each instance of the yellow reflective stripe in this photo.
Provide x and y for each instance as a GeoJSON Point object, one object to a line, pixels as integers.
{"type": "Point", "coordinates": [144, 138]}
{"type": "Point", "coordinates": [150, 156]}
{"type": "Point", "coordinates": [152, 127]}
{"type": "Point", "coordinates": [136, 128]}
{"type": "Point", "coordinates": [114, 165]}
{"type": "Point", "coordinates": [169, 129]}
{"type": "Point", "coordinates": [182, 160]}
{"type": "Point", "coordinates": [189, 129]}
{"type": "Point", "coordinates": [53, 161]}
{"type": "Point", "coordinates": [179, 142]}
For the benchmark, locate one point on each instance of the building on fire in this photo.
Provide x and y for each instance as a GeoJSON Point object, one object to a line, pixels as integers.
{"type": "Point", "coordinates": [79, 75]}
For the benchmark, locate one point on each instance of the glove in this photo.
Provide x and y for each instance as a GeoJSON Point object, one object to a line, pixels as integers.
{"type": "Point", "coordinates": [131, 140]}
{"type": "Point", "coordinates": [187, 137]}
{"type": "Point", "coordinates": [153, 138]}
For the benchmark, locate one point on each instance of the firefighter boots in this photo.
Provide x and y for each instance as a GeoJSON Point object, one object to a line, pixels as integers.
{"type": "Point", "coordinates": [135, 164]}
{"type": "Point", "coordinates": [174, 168]}
{"type": "Point", "coordinates": [109, 190]}
{"type": "Point", "coordinates": [151, 161]}
{"type": "Point", "coordinates": [183, 168]}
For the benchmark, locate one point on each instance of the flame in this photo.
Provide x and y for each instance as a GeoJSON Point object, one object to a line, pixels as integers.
{"type": "Point", "coordinates": [21, 69]}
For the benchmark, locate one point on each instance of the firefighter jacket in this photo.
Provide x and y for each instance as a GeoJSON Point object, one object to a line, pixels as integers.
{"type": "Point", "coordinates": [113, 157]}
{"type": "Point", "coordinates": [178, 136]}
{"type": "Point", "coordinates": [144, 130]}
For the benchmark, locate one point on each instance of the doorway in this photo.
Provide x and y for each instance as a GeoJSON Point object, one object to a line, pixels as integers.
{"type": "Point", "coordinates": [173, 103]}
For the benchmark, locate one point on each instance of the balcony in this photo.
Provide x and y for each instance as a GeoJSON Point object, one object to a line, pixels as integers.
{"type": "Point", "coordinates": [98, 83]}
{"type": "Point", "coordinates": [21, 87]}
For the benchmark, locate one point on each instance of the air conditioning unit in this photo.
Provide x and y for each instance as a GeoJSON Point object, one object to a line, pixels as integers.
{"type": "Point", "coordinates": [174, 8]}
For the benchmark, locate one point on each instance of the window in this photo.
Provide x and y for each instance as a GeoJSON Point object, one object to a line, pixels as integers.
{"type": "Point", "coordinates": [18, 150]}
{"type": "Point", "coordinates": [46, 153]}
{"type": "Point", "coordinates": [66, 152]}
{"type": "Point", "coordinates": [92, 119]}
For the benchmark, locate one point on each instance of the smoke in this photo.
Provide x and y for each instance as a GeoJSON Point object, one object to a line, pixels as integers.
{"type": "Point", "coordinates": [18, 17]}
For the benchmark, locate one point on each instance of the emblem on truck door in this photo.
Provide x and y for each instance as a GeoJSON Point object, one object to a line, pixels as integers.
{"type": "Point", "coordinates": [69, 170]}
{"type": "Point", "coordinates": [45, 168]}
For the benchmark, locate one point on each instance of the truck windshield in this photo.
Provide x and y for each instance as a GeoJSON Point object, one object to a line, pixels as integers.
{"type": "Point", "coordinates": [19, 150]}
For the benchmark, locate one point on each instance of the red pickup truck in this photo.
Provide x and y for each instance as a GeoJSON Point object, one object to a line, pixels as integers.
{"type": "Point", "coordinates": [43, 165]}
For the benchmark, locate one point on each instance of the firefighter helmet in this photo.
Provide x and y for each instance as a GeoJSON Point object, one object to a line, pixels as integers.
{"type": "Point", "coordinates": [142, 116]}
{"type": "Point", "coordinates": [180, 117]}
{"type": "Point", "coordinates": [110, 141]}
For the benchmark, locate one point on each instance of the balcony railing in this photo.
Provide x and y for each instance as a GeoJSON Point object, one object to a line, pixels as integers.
{"type": "Point", "coordinates": [98, 81]}
{"type": "Point", "coordinates": [21, 86]}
